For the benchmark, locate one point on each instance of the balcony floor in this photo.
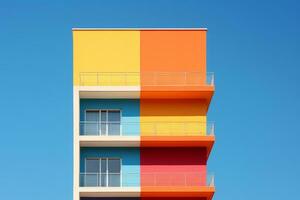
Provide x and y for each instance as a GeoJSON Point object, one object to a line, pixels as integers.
{"type": "Point", "coordinates": [148, 141]}
{"type": "Point", "coordinates": [109, 191]}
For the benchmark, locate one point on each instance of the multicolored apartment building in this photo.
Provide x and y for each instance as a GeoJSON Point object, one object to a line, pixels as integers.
{"type": "Point", "coordinates": [140, 98]}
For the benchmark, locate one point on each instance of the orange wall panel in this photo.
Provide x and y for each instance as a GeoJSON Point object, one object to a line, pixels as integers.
{"type": "Point", "coordinates": [172, 51]}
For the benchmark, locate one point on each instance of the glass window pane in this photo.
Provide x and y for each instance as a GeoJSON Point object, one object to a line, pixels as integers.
{"type": "Point", "coordinates": [91, 179]}
{"type": "Point", "coordinates": [103, 165]}
{"type": "Point", "coordinates": [92, 116]}
{"type": "Point", "coordinates": [114, 170]}
{"type": "Point", "coordinates": [114, 166]}
{"type": "Point", "coordinates": [114, 180]}
{"type": "Point", "coordinates": [103, 172]}
{"type": "Point", "coordinates": [103, 128]}
{"type": "Point", "coordinates": [114, 116]}
{"type": "Point", "coordinates": [91, 125]}
{"type": "Point", "coordinates": [114, 125]}
{"type": "Point", "coordinates": [91, 128]}
{"type": "Point", "coordinates": [103, 180]}
{"type": "Point", "coordinates": [92, 166]}
{"type": "Point", "coordinates": [103, 116]}
{"type": "Point", "coordinates": [114, 128]}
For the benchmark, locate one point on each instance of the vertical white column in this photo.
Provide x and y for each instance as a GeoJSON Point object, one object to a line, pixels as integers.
{"type": "Point", "coordinates": [76, 147]}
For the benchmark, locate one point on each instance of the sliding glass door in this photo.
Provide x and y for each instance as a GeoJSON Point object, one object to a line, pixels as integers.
{"type": "Point", "coordinates": [103, 172]}
{"type": "Point", "coordinates": [103, 122]}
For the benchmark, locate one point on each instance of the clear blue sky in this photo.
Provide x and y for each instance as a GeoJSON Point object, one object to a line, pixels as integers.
{"type": "Point", "coordinates": [253, 48]}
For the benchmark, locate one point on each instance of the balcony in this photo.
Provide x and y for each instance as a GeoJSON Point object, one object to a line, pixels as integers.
{"type": "Point", "coordinates": [105, 85]}
{"type": "Point", "coordinates": [187, 184]}
{"type": "Point", "coordinates": [109, 78]}
{"type": "Point", "coordinates": [150, 85]}
{"type": "Point", "coordinates": [147, 134]}
{"type": "Point", "coordinates": [178, 134]}
{"type": "Point", "coordinates": [109, 180]}
{"type": "Point", "coordinates": [177, 85]}
{"type": "Point", "coordinates": [109, 185]}
{"type": "Point", "coordinates": [146, 79]}
{"type": "Point", "coordinates": [181, 184]}
{"type": "Point", "coordinates": [109, 134]}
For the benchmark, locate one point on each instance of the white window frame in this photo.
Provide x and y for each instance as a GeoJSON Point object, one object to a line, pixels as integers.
{"type": "Point", "coordinates": [106, 173]}
{"type": "Point", "coordinates": [107, 110]}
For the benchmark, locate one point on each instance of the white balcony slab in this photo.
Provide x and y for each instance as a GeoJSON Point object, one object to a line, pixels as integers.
{"type": "Point", "coordinates": [109, 191]}
{"type": "Point", "coordinates": [109, 141]}
{"type": "Point", "coordinates": [108, 92]}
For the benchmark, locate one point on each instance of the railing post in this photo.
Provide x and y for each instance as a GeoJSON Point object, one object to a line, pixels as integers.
{"type": "Point", "coordinates": [80, 82]}
{"type": "Point", "coordinates": [110, 81]}
{"type": "Point", "coordinates": [121, 180]}
{"type": "Point", "coordinates": [212, 79]}
{"type": "Point", "coordinates": [121, 128]}
{"type": "Point", "coordinates": [98, 128]}
{"type": "Point", "coordinates": [212, 129]}
{"type": "Point", "coordinates": [107, 175]}
{"type": "Point", "coordinates": [212, 183]}
{"type": "Point", "coordinates": [97, 74]}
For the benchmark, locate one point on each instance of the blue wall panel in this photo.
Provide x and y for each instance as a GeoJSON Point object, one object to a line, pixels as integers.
{"type": "Point", "coordinates": [130, 109]}
{"type": "Point", "coordinates": [130, 161]}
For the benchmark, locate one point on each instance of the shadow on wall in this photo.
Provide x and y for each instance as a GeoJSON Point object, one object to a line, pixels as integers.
{"type": "Point", "coordinates": [173, 156]}
{"type": "Point", "coordinates": [172, 107]}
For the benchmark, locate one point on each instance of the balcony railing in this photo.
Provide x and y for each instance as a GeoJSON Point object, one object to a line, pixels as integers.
{"type": "Point", "coordinates": [103, 179]}
{"type": "Point", "coordinates": [146, 79]}
{"type": "Point", "coordinates": [159, 179]}
{"type": "Point", "coordinates": [96, 128]}
{"type": "Point", "coordinates": [109, 78]}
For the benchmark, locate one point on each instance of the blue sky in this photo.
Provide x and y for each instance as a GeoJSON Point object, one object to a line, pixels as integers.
{"type": "Point", "coordinates": [253, 48]}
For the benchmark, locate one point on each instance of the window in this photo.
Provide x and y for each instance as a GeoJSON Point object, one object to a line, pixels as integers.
{"type": "Point", "coordinates": [102, 122]}
{"type": "Point", "coordinates": [103, 172]}
{"type": "Point", "coordinates": [92, 126]}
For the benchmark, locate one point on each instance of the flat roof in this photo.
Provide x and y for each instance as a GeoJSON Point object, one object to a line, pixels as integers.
{"type": "Point", "coordinates": [136, 29]}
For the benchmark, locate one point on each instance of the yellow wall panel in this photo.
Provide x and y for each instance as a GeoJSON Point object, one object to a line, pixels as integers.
{"type": "Point", "coordinates": [106, 57]}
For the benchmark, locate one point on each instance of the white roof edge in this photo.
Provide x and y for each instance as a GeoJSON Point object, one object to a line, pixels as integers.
{"type": "Point", "coordinates": [134, 29]}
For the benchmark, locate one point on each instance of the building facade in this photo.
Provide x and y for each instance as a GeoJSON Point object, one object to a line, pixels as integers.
{"type": "Point", "coordinates": [140, 100]}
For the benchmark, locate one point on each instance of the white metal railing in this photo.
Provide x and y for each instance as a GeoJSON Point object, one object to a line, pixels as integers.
{"type": "Point", "coordinates": [146, 78]}
{"type": "Point", "coordinates": [177, 79]}
{"type": "Point", "coordinates": [101, 180]}
{"type": "Point", "coordinates": [109, 78]}
{"type": "Point", "coordinates": [158, 179]}
{"type": "Point", "coordinates": [146, 128]}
